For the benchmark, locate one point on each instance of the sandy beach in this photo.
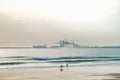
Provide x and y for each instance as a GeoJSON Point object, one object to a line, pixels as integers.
{"type": "Point", "coordinates": [71, 73]}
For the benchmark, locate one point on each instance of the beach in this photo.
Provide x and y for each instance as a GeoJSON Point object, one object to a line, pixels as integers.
{"type": "Point", "coordinates": [44, 64]}
{"type": "Point", "coordinates": [70, 73]}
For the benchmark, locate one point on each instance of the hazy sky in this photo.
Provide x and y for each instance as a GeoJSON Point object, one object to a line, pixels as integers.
{"type": "Point", "coordinates": [88, 22]}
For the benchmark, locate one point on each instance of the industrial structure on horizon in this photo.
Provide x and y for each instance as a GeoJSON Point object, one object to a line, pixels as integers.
{"type": "Point", "coordinates": [70, 44]}
{"type": "Point", "coordinates": [60, 44]}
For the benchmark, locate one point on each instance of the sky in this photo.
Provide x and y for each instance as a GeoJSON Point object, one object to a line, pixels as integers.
{"type": "Point", "coordinates": [33, 22]}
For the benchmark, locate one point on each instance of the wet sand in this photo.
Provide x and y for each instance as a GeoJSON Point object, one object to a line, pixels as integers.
{"type": "Point", "coordinates": [71, 73]}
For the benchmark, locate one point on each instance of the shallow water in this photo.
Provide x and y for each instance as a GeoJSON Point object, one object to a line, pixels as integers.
{"type": "Point", "coordinates": [41, 58]}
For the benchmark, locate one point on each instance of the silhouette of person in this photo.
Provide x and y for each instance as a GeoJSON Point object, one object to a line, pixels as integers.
{"type": "Point", "coordinates": [61, 68]}
{"type": "Point", "coordinates": [66, 65]}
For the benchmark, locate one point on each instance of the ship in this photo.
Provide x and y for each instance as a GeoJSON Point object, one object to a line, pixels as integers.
{"type": "Point", "coordinates": [39, 46]}
{"type": "Point", "coordinates": [67, 44]}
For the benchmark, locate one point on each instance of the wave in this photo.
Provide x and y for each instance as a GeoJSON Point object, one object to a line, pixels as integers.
{"type": "Point", "coordinates": [75, 59]}
{"type": "Point", "coordinates": [11, 63]}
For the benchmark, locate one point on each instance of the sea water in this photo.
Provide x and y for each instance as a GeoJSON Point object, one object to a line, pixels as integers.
{"type": "Point", "coordinates": [46, 58]}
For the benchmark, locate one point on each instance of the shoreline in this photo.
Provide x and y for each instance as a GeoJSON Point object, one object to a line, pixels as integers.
{"type": "Point", "coordinates": [58, 66]}
{"type": "Point", "coordinates": [70, 73]}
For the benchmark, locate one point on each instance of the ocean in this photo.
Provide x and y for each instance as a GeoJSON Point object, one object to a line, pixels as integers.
{"type": "Point", "coordinates": [47, 58]}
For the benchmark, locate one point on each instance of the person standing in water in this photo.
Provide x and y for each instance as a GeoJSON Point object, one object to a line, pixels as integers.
{"type": "Point", "coordinates": [61, 68]}
{"type": "Point", "coordinates": [67, 65]}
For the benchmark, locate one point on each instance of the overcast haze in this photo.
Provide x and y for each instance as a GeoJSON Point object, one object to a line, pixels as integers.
{"type": "Point", "coordinates": [87, 22]}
